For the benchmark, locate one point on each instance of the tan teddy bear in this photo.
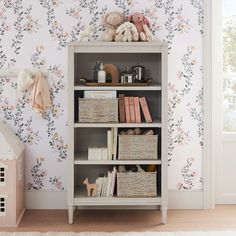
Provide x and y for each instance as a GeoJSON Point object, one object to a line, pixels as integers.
{"type": "Point", "coordinates": [113, 20]}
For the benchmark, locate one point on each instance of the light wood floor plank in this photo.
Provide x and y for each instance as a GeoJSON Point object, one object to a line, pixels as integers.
{"type": "Point", "coordinates": [222, 218]}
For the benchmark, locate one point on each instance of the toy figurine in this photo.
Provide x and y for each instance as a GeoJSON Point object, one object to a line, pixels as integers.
{"type": "Point", "coordinates": [90, 188]}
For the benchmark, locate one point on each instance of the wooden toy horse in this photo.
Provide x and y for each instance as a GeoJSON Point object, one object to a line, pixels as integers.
{"type": "Point", "coordinates": [91, 188]}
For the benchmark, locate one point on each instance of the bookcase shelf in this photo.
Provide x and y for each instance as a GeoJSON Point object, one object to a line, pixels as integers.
{"type": "Point", "coordinates": [84, 161]}
{"type": "Point", "coordinates": [152, 87]}
{"type": "Point", "coordinates": [81, 59]}
{"type": "Point", "coordinates": [154, 124]}
{"type": "Point", "coordinates": [81, 199]}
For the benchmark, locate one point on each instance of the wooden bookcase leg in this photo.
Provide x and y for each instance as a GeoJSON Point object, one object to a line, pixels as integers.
{"type": "Point", "coordinates": [71, 214]}
{"type": "Point", "coordinates": [164, 214]}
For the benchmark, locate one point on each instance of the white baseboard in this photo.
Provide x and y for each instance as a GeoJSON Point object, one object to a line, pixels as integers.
{"type": "Point", "coordinates": [45, 200]}
{"type": "Point", "coordinates": [189, 199]}
{"type": "Point", "coordinates": [192, 199]}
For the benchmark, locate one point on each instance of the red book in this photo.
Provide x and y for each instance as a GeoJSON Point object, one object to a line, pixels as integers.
{"type": "Point", "coordinates": [127, 110]}
{"type": "Point", "coordinates": [121, 108]}
{"type": "Point", "coordinates": [145, 109]}
{"type": "Point", "coordinates": [137, 110]}
{"type": "Point", "coordinates": [131, 107]}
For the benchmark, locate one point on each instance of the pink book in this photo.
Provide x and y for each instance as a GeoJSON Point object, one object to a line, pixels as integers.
{"type": "Point", "coordinates": [127, 110]}
{"type": "Point", "coordinates": [131, 107]}
{"type": "Point", "coordinates": [137, 110]}
{"type": "Point", "coordinates": [145, 109]}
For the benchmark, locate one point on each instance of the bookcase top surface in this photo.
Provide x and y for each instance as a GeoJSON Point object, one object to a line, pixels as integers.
{"type": "Point", "coordinates": [102, 43]}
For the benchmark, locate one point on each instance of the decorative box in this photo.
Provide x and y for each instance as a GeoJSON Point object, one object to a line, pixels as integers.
{"type": "Point", "coordinates": [138, 147]}
{"type": "Point", "coordinates": [98, 110]}
{"type": "Point", "coordinates": [97, 154]}
{"type": "Point", "coordinates": [137, 184]}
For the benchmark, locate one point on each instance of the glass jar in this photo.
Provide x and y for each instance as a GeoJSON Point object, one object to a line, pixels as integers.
{"type": "Point", "coordinates": [127, 76]}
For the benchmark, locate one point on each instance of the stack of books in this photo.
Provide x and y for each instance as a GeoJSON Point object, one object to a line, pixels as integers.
{"type": "Point", "coordinates": [129, 109]}
{"type": "Point", "coordinates": [105, 153]}
{"type": "Point", "coordinates": [106, 184]}
{"type": "Point", "coordinates": [97, 153]}
{"type": "Point", "coordinates": [99, 94]}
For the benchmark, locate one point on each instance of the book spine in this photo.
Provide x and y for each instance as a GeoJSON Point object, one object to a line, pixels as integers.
{"type": "Point", "coordinates": [109, 145]}
{"type": "Point", "coordinates": [113, 182]}
{"type": "Point", "coordinates": [137, 110]}
{"type": "Point", "coordinates": [132, 111]}
{"type": "Point", "coordinates": [114, 147]}
{"type": "Point", "coordinates": [99, 182]}
{"type": "Point", "coordinates": [104, 187]}
{"type": "Point", "coordinates": [145, 109]}
{"type": "Point", "coordinates": [127, 110]}
{"type": "Point", "coordinates": [121, 108]}
{"type": "Point", "coordinates": [108, 183]}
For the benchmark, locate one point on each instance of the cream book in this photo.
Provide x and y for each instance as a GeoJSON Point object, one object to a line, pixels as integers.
{"type": "Point", "coordinates": [109, 144]}
{"type": "Point", "coordinates": [114, 144]}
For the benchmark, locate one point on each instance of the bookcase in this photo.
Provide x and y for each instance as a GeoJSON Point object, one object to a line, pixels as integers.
{"type": "Point", "coordinates": [81, 60]}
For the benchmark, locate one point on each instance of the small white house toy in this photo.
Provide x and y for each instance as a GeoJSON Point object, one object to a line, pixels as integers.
{"type": "Point", "coordinates": [11, 178]}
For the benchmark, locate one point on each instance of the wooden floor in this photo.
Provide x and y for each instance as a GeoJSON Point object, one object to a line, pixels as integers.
{"type": "Point", "coordinates": [222, 218]}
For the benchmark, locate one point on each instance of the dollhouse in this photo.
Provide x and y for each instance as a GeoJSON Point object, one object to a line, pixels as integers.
{"type": "Point", "coordinates": [11, 178]}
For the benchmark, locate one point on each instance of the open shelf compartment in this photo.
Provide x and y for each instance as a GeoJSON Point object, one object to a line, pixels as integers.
{"type": "Point", "coordinates": [97, 137]}
{"type": "Point", "coordinates": [80, 196]}
{"type": "Point", "coordinates": [84, 63]}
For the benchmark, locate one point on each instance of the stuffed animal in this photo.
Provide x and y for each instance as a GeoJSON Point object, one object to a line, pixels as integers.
{"type": "Point", "coordinates": [130, 132]}
{"type": "Point", "coordinates": [139, 169]}
{"type": "Point", "coordinates": [113, 20]}
{"type": "Point", "coordinates": [122, 132]}
{"type": "Point", "coordinates": [86, 35]}
{"type": "Point", "coordinates": [148, 132]}
{"type": "Point", "coordinates": [137, 131]}
{"type": "Point", "coordinates": [142, 25]}
{"type": "Point", "coordinates": [126, 32]}
{"type": "Point", "coordinates": [121, 169]}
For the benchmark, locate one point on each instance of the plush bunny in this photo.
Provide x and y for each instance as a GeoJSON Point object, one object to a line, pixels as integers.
{"type": "Point", "coordinates": [142, 25]}
{"type": "Point", "coordinates": [86, 35]}
{"type": "Point", "coordinates": [113, 20]}
{"type": "Point", "coordinates": [126, 32]}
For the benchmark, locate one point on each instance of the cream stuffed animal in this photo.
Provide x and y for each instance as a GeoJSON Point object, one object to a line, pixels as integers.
{"type": "Point", "coordinates": [86, 35]}
{"type": "Point", "coordinates": [126, 32]}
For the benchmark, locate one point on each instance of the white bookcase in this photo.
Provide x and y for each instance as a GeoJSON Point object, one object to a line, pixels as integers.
{"type": "Point", "coordinates": [81, 59]}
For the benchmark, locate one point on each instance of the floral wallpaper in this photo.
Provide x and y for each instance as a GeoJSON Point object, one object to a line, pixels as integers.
{"type": "Point", "coordinates": [34, 34]}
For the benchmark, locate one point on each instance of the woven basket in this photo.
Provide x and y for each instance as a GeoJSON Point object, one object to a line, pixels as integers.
{"type": "Point", "coordinates": [138, 147]}
{"type": "Point", "coordinates": [136, 184]}
{"type": "Point", "coordinates": [98, 110]}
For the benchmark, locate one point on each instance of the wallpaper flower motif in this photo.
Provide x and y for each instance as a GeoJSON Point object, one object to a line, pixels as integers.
{"type": "Point", "coordinates": [56, 182]}
{"type": "Point", "coordinates": [198, 4]}
{"type": "Point", "coordinates": [35, 34]}
{"type": "Point", "coordinates": [176, 133]}
{"type": "Point", "coordinates": [189, 175]}
{"type": "Point", "coordinates": [38, 175]}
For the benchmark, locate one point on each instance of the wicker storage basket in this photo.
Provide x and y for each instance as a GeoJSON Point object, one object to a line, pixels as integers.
{"type": "Point", "coordinates": [98, 110]}
{"type": "Point", "coordinates": [137, 147]}
{"type": "Point", "coordinates": [136, 184]}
